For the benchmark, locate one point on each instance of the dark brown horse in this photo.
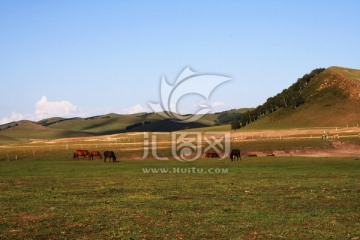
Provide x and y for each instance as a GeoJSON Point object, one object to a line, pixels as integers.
{"type": "Point", "coordinates": [83, 153]}
{"type": "Point", "coordinates": [212, 154]}
{"type": "Point", "coordinates": [95, 154]}
{"type": "Point", "coordinates": [110, 155]}
{"type": "Point", "coordinates": [235, 153]}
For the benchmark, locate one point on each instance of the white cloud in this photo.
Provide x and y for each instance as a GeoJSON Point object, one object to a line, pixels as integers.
{"type": "Point", "coordinates": [217, 104]}
{"type": "Point", "coordinates": [135, 109]}
{"type": "Point", "coordinates": [46, 109]}
{"type": "Point", "coordinates": [203, 104]}
{"type": "Point", "coordinates": [14, 117]}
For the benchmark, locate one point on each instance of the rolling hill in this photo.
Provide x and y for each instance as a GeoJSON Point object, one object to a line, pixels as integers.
{"type": "Point", "coordinates": [25, 130]}
{"type": "Point", "coordinates": [102, 125]}
{"type": "Point", "coordinates": [323, 98]}
{"type": "Point", "coordinates": [330, 98]}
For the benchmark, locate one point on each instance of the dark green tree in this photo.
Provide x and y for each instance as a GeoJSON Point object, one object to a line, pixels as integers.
{"type": "Point", "coordinates": [235, 124]}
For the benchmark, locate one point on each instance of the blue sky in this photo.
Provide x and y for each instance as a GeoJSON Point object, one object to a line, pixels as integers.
{"type": "Point", "coordinates": [84, 58]}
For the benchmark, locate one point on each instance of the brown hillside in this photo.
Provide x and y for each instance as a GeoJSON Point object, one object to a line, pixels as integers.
{"type": "Point", "coordinates": [345, 79]}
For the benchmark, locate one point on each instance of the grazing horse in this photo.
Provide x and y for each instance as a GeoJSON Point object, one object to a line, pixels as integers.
{"type": "Point", "coordinates": [83, 153]}
{"type": "Point", "coordinates": [110, 155]}
{"type": "Point", "coordinates": [95, 154]}
{"type": "Point", "coordinates": [211, 154]}
{"type": "Point", "coordinates": [235, 153]}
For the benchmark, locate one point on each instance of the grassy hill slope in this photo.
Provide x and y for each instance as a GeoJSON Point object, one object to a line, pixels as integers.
{"type": "Point", "coordinates": [97, 125]}
{"type": "Point", "coordinates": [331, 99]}
{"type": "Point", "coordinates": [29, 130]}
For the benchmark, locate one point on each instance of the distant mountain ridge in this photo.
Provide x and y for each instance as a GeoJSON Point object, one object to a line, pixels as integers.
{"type": "Point", "coordinates": [106, 124]}
{"type": "Point", "coordinates": [323, 98]}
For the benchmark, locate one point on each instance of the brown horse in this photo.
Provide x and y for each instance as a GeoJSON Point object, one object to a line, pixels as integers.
{"type": "Point", "coordinates": [95, 154]}
{"type": "Point", "coordinates": [83, 153]}
{"type": "Point", "coordinates": [211, 154]}
{"type": "Point", "coordinates": [235, 153]}
{"type": "Point", "coordinates": [110, 155]}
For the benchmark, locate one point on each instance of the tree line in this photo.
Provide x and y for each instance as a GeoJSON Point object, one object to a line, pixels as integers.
{"type": "Point", "coordinates": [288, 98]}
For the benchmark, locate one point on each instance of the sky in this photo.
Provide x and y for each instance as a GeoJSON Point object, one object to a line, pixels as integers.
{"type": "Point", "coordinates": [86, 58]}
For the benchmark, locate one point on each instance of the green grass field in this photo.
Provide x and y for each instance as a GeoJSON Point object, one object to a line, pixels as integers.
{"type": "Point", "coordinates": [50, 196]}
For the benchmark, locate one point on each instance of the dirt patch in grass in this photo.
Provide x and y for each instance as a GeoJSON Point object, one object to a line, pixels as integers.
{"type": "Point", "coordinates": [336, 149]}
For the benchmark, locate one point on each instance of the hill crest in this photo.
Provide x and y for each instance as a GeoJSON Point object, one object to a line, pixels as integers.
{"type": "Point", "coordinates": [345, 79]}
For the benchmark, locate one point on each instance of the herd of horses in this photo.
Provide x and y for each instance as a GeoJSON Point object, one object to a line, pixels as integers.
{"type": "Point", "coordinates": [90, 155]}
{"type": "Point", "coordinates": [234, 155]}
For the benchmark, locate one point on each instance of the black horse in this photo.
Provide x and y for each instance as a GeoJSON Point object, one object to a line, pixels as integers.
{"type": "Point", "coordinates": [110, 155]}
{"type": "Point", "coordinates": [235, 153]}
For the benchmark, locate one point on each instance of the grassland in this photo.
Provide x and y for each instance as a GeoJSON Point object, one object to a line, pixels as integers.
{"type": "Point", "coordinates": [47, 195]}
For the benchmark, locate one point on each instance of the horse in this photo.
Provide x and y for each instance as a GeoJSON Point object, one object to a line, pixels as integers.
{"type": "Point", "coordinates": [235, 153]}
{"type": "Point", "coordinates": [95, 154]}
{"type": "Point", "coordinates": [83, 153]}
{"type": "Point", "coordinates": [110, 155]}
{"type": "Point", "coordinates": [211, 154]}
